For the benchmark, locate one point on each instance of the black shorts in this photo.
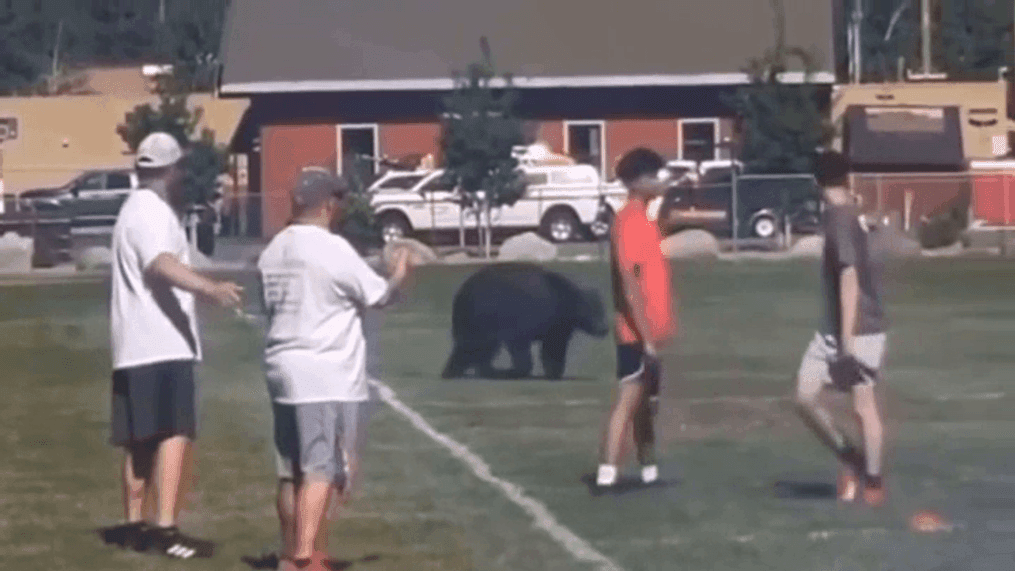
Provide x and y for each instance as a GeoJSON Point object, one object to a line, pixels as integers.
{"type": "Point", "coordinates": [153, 402]}
{"type": "Point", "coordinates": [632, 367]}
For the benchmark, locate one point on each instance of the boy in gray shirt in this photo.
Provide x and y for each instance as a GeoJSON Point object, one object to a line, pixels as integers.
{"type": "Point", "coordinates": [847, 351]}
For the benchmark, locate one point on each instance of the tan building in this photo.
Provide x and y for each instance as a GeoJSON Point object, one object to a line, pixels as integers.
{"type": "Point", "coordinates": [58, 137]}
{"type": "Point", "coordinates": [983, 109]}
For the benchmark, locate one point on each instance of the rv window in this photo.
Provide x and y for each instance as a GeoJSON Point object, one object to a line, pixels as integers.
{"type": "Point", "coordinates": [536, 178]}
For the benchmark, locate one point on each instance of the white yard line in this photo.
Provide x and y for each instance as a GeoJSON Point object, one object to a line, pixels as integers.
{"type": "Point", "coordinates": [580, 549]}
{"type": "Point", "coordinates": [973, 396]}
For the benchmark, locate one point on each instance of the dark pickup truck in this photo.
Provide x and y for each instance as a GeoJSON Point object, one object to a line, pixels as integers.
{"type": "Point", "coordinates": [763, 202]}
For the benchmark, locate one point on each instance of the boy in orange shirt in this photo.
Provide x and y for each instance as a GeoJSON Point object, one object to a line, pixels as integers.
{"type": "Point", "coordinates": [644, 315]}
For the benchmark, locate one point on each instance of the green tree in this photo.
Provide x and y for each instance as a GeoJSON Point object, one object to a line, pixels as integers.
{"type": "Point", "coordinates": [973, 38]}
{"type": "Point", "coordinates": [206, 160]}
{"type": "Point", "coordinates": [480, 131]}
{"type": "Point", "coordinates": [781, 125]}
{"type": "Point", "coordinates": [358, 224]}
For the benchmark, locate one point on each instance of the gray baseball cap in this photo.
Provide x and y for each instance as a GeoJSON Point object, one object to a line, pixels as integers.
{"type": "Point", "coordinates": [315, 185]}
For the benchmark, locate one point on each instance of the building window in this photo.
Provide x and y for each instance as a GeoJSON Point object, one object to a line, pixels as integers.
{"type": "Point", "coordinates": [699, 139]}
{"type": "Point", "coordinates": [357, 151]}
{"type": "Point", "coordinates": [584, 141]}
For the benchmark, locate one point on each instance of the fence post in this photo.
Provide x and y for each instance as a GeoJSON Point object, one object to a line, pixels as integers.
{"type": "Point", "coordinates": [733, 207]}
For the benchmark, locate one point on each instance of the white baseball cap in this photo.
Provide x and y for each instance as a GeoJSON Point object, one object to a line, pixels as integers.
{"type": "Point", "coordinates": [158, 150]}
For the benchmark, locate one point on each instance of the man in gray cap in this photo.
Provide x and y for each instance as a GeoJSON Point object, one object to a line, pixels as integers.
{"type": "Point", "coordinates": [315, 288]}
{"type": "Point", "coordinates": [155, 345]}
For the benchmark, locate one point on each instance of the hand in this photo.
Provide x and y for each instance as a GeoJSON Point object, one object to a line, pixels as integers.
{"type": "Point", "coordinates": [226, 294]}
{"type": "Point", "coordinates": [651, 350]}
{"type": "Point", "coordinates": [846, 372]}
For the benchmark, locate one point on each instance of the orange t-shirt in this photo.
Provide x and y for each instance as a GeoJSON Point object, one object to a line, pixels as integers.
{"type": "Point", "coordinates": [637, 248]}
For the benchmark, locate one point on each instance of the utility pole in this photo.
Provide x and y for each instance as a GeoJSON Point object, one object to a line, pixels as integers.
{"type": "Point", "coordinates": [925, 35]}
{"type": "Point", "coordinates": [855, 33]}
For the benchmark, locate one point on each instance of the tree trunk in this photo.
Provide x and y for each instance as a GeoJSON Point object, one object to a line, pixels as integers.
{"type": "Point", "coordinates": [489, 230]}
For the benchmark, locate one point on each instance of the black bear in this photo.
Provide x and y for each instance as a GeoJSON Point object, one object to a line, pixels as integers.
{"type": "Point", "coordinates": [516, 304]}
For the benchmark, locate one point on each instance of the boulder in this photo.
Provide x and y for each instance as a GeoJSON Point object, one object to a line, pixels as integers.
{"type": "Point", "coordinates": [198, 259]}
{"type": "Point", "coordinates": [948, 251]}
{"type": "Point", "coordinates": [892, 243]}
{"type": "Point", "coordinates": [691, 244]}
{"type": "Point", "coordinates": [528, 246]}
{"type": "Point", "coordinates": [15, 253]}
{"type": "Point", "coordinates": [419, 253]}
{"type": "Point", "coordinates": [457, 258]}
{"type": "Point", "coordinates": [94, 258]}
{"type": "Point", "coordinates": [808, 247]}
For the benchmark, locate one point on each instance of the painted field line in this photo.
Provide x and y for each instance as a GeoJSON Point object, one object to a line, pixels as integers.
{"type": "Point", "coordinates": [509, 403]}
{"type": "Point", "coordinates": [543, 518]}
{"type": "Point", "coordinates": [973, 396]}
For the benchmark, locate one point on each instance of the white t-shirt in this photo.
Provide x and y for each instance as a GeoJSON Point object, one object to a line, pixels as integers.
{"type": "Point", "coordinates": [150, 322]}
{"type": "Point", "coordinates": [315, 288]}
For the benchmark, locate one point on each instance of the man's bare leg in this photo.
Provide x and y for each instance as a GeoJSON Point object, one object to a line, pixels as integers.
{"type": "Point", "coordinates": [872, 427]}
{"type": "Point", "coordinates": [137, 461]}
{"type": "Point", "coordinates": [628, 399]}
{"type": "Point", "coordinates": [311, 506]}
{"type": "Point", "coordinates": [645, 440]}
{"type": "Point", "coordinates": [286, 506]}
{"type": "Point", "coordinates": [169, 472]}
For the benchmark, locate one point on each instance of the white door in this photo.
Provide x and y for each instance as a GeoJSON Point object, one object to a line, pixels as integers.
{"type": "Point", "coordinates": [524, 213]}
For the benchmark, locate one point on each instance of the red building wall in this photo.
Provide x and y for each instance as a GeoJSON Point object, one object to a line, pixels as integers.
{"type": "Point", "coordinates": [403, 139]}
{"type": "Point", "coordinates": [285, 151]}
{"type": "Point", "coordinates": [622, 135]}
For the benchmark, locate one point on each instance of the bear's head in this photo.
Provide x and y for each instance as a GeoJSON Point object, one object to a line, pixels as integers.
{"type": "Point", "coordinates": [591, 313]}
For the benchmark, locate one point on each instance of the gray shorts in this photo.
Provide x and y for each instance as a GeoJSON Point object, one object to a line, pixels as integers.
{"type": "Point", "coordinates": [315, 440]}
{"type": "Point", "coordinates": [822, 350]}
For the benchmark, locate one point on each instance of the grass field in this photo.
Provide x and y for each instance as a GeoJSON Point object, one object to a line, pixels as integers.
{"type": "Point", "coordinates": [728, 437]}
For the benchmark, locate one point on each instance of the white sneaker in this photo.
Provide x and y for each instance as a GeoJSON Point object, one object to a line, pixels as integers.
{"type": "Point", "coordinates": [607, 475]}
{"type": "Point", "coordinates": [649, 474]}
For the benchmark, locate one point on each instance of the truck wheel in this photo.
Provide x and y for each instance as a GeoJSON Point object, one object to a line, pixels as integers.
{"type": "Point", "coordinates": [559, 225]}
{"type": "Point", "coordinates": [600, 227]}
{"type": "Point", "coordinates": [394, 226]}
{"type": "Point", "coordinates": [764, 226]}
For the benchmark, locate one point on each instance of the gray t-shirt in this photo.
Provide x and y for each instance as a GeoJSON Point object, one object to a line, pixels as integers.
{"type": "Point", "coordinates": [848, 243]}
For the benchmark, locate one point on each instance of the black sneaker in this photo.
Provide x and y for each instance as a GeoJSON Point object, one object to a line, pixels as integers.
{"type": "Point", "coordinates": [127, 536]}
{"type": "Point", "coordinates": [171, 542]}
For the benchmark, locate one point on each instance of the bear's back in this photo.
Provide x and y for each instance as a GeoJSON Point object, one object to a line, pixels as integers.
{"type": "Point", "coordinates": [510, 300]}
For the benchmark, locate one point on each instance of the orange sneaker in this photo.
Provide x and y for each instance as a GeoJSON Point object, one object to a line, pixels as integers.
{"type": "Point", "coordinates": [848, 484]}
{"type": "Point", "coordinates": [874, 492]}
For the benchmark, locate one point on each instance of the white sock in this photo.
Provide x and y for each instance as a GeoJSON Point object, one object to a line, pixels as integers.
{"type": "Point", "coordinates": [649, 473]}
{"type": "Point", "coordinates": [607, 475]}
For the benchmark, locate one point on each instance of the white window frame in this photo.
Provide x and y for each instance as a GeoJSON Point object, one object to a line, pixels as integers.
{"type": "Point", "coordinates": [602, 139]}
{"type": "Point", "coordinates": [338, 142]}
{"type": "Point", "coordinates": [716, 125]}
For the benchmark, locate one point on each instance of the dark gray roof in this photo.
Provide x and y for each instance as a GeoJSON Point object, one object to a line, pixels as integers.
{"type": "Point", "coordinates": [903, 138]}
{"type": "Point", "coordinates": [334, 45]}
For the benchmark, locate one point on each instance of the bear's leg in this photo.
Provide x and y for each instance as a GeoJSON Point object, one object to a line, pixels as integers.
{"type": "Point", "coordinates": [481, 355]}
{"type": "Point", "coordinates": [457, 363]}
{"type": "Point", "coordinates": [521, 357]}
{"type": "Point", "coordinates": [553, 353]}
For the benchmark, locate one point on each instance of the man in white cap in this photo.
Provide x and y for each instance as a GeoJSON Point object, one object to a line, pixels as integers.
{"type": "Point", "coordinates": [155, 345]}
{"type": "Point", "coordinates": [315, 288]}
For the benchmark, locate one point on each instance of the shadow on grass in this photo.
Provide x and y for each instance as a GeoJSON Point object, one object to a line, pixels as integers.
{"type": "Point", "coordinates": [624, 485]}
{"type": "Point", "coordinates": [271, 561]}
{"type": "Point", "coordinates": [804, 490]}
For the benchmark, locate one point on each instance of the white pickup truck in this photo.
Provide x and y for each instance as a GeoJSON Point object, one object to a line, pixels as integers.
{"type": "Point", "coordinates": [564, 202]}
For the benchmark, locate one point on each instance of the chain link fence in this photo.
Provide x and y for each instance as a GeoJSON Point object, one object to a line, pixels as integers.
{"type": "Point", "coordinates": [744, 211]}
